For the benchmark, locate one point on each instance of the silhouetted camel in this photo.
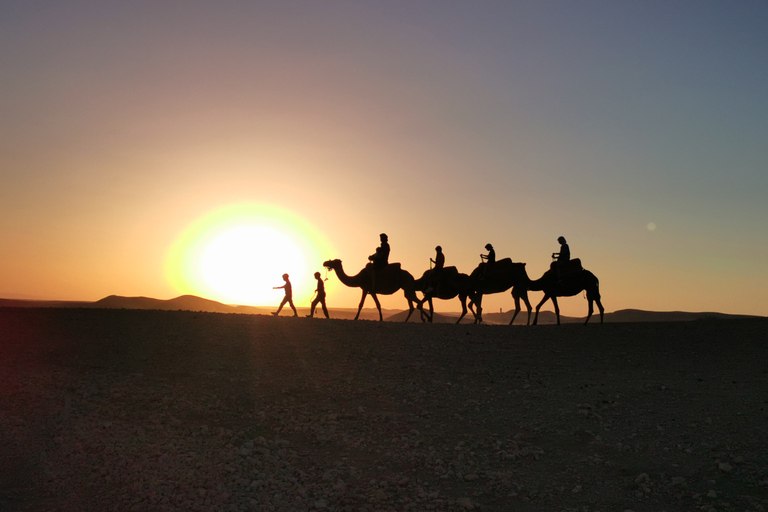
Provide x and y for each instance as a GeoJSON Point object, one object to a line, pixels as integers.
{"type": "Point", "coordinates": [567, 285]}
{"type": "Point", "coordinates": [503, 275]}
{"type": "Point", "coordinates": [447, 284]}
{"type": "Point", "coordinates": [388, 280]}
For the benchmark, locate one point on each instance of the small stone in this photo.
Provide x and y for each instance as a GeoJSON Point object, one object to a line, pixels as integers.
{"type": "Point", "coordinates": [725, 467]}
{"type": "Point", "coordinates": [466, 503]}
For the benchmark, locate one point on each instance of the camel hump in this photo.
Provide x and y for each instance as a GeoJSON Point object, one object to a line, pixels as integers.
{"type": "Point", "coordinates": [393, 266]}
{"type": "Point", "coordinates": [504, 262]}
{"type": "Point", "coordinates": [568, 267]}
{"type": "Point", "coordinates": [571, 266]}
{"type": "Point", "coordinates": [450, 270]}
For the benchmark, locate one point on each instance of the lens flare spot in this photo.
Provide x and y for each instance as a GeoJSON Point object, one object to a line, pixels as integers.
{"type": "Point", "coordinates": [651, 226]}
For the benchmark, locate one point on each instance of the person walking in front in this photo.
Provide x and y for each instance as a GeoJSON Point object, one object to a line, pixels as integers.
{"type": "Point", "coordinates": [288, 296]}
{"type": "Point", "coordinates": [319, 298]}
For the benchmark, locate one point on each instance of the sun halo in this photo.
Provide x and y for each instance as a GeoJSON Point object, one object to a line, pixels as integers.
{"type": "Point", "coordinates": [237, 254]}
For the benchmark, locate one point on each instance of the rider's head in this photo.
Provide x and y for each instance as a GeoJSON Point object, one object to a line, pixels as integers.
{"type": "Point", "coordinates": [439, 249]}
{"type": "Point", "coordinates": [317, 275]}
{"type": "Point", "coordinates": [383, 237]}
{"type": "Point", "coordinates": [285, 277]}
{"type": "Point", "coordinates": [561, 239]}
{"type": "Point", "coordinates": [488, 246]}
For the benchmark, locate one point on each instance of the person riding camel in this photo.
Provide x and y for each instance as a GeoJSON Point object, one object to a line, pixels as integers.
{"type": "Point", "coordinates": [562, 257]}
{"type": "Point", "coordinates": [379, 259]}
{"type": "Point", "coordinates": [489, 259]}
{"type": "Point", "coordinates": [439, 262]}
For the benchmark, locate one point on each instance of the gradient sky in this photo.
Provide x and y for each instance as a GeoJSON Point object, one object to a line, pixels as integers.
{"type": "Point", "coordinates": [637, 130]}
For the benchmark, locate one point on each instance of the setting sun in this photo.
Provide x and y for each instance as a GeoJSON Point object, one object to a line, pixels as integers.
{"type": "Point", "coordinates": [237, 254]}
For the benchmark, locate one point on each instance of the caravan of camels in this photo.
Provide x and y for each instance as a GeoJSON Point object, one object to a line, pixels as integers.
{"type": "Point", "coordinates": [565, 278]}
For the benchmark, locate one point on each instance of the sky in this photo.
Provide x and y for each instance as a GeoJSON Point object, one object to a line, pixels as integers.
{"type": "Point", "coordinates": [139, 138]}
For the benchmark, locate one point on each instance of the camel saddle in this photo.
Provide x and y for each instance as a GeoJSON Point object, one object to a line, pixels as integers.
{"type": "Point", "coordinates": [450, 270]}
{"type": "Point", "coordinates": [390, 267]}
{"type": "Point", "coordinates": [500, 265]}
{"type": "Point", "coordinates": [567, 267]}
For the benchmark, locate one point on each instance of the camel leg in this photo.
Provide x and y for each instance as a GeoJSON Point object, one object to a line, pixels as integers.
{"type": "Point", "coordinates": [517, 306]}
{"type": "Point", "coordinates": [590, 309]}
{"type": "Point", "coordinates": [410, 310]}
{"type": "Point", "coordinates": [527, 305]}
{"type": "Point", "coordinates": [360, 307]}
{"type": "Point", "coordinates": [463, 308]}
{"type": "Point", "coordinates": [538, 307]}
{"type": "Point", "coordinates": [594, 296]}
{"type": "Point", "coordinates": [557, 309]}
{"type": "Point", "coordinates": [431, 310]}
{"type": "Point", "coordinates": [479, 312]}
{"type": "Point", "coordinates": [378, 306]}
{"type": "Point", "coordinates": [411, 297]}
{"type": "Point", "coordinates": [600, 307]}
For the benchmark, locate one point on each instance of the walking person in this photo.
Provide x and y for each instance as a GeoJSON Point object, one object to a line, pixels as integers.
{"type": "Point", "coordinates": [288, 296]}
{"type": "Point", "coordinates": [319, 298]}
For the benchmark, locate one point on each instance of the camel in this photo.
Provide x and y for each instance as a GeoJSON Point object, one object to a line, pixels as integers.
{"type": "Point", "coordinates": [503, 275]}
{"type": "Point", "coordinates": [386, 281]}
{"type": "Point", "coordinates": [446, 285]}
{"type": "Point", "coordinates": [568, 285]}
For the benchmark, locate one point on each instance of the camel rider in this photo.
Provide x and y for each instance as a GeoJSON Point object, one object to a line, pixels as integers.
{"type": "Point", "coordinates": [565, 252]}
{"type": "Point", "coordinates": [439, 262]}
{"type": "Point", "coordinates": [490, 258]}
{"type": "Point", "coordinates": [380, 258]}
{"type": "Point", "coordinates": [561, 257]}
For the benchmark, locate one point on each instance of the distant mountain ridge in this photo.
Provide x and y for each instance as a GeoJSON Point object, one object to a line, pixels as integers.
{"type": "Point", "coordinates": [195, 303]}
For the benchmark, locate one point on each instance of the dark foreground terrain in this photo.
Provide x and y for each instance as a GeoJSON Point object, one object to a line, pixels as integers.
{"type": "Point", "coordinates": [156, 411]}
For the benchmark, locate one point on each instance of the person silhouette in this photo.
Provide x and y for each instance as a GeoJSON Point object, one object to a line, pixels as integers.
{"type": "Point", "coordinates": [560, 257]}
{"type": "Point", "coordinates": [288, 296]}
{"type": "Point", "coordinates": [490, 258]}
{"type": "Point", "coordinates": [439, 260]}
{"type": "Point", "coordinates": [565, 251]}
{"type": "Point", "coordinates": [319, 298]}
{"type": "Point", "coordinates": [380, 258]}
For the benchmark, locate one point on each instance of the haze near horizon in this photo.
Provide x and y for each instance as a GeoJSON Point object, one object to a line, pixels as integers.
{"type": "Point", "coordinates": [163, 149]}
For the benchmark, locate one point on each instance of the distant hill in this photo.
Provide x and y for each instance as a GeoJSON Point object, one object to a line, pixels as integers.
{"type": "Point", "coordinates": [638, 315]}
{"type": "Point", "coordinates": [184, 302]}
{"type": "Point", "coordinates": [194, 303]}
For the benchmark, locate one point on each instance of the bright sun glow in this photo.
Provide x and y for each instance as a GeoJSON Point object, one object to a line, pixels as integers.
{"type": "Point", "coordinates": [237, 254]}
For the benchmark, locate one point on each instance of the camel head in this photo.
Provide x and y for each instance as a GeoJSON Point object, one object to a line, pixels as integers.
{"type": "Point", "coordinates": [332, 264]}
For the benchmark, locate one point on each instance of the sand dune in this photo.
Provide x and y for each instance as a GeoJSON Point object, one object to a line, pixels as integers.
{"type": "Point", "coordinates": [155, 410]}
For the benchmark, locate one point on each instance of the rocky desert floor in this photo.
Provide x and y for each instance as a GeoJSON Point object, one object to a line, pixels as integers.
{"type": "Point", "coordinates": [130, 410]}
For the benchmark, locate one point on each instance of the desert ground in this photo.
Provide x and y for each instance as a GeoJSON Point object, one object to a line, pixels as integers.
{"type": "Point", "coordinates": [131, 410]}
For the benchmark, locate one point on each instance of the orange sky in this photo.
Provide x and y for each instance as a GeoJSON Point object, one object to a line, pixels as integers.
{"type": "Point", "coordinates": [637, 132]}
